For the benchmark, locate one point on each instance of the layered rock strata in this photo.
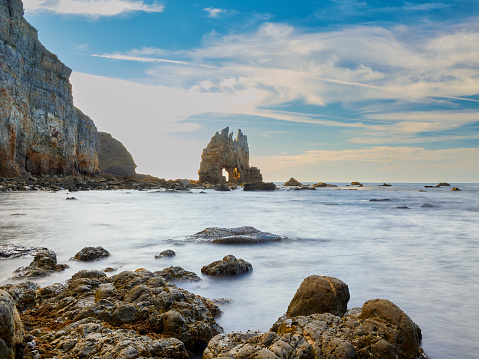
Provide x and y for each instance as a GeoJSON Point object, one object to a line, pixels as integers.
{"type": "Point", "coordinates": [41, 131]}
{"type": "Point", "coordinates": [232, 155]}
{"type": "Point", "coordinates": [114, 157]}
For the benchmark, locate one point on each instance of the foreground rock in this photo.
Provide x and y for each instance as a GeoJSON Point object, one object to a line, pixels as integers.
{"type": "Point", "coordinates": [44, 263]}
{"type": "Point", "coordinates": [90, 254]}
{"type": "Point", "coordinates": [319, 294]}
{"type": "Point", "coordinates": [238, 235]}
{"type": "Point", "coordinates": [228, 266]}
{"type": "Point", "coordinates": [178, 273]}
{"type": "Point", "coordinates": [378, 330]}
{"type": "Point", "coordinates": [14, 251]}
{"type": "Point", "coordinates": [139, 314]}
{"type": "Point", "coordinates": [11, 328]}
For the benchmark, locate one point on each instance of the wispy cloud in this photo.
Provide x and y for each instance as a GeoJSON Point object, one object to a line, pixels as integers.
{"type": "Point", "coordinates": [214, 12]}
{"type": "Point", "coordinates": [153, 60]}
{"type": "Point", "coordinates": [91, 8]}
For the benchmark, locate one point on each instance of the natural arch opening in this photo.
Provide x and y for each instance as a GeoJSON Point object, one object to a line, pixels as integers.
{"type": "Point", "coordinates": [225, 174]}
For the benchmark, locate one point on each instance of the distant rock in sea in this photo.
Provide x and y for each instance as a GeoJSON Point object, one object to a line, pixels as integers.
{"type": "Point", "coordinates": [292, 182]}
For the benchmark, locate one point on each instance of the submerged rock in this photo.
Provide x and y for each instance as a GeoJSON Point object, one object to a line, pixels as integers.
{"type": "Point", "coordinates": [228, 266]}
{"type": "Point", "coordinates": [166, 253]}
{"type": "Point", "coordinates": [427, 205]}
{"type": "Point", "coordinates": [11, 328]}
{"type": "Point", "coordinates": [44, 263]}
{"type": "Point", "coordinates": [379, 330]}
{"type": "Point", "coordinates": [89, 254]}
{"type": "Point", "coordinates": [238, 235]}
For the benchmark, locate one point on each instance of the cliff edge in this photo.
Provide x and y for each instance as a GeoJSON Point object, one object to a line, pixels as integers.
{"type": "Point", "coordinates": [41, 131]}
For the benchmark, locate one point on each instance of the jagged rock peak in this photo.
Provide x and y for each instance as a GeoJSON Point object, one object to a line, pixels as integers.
{"type": "Point", "coordinates": [232, 155]}
{"type": "Point", "coordinates": [41, 131]}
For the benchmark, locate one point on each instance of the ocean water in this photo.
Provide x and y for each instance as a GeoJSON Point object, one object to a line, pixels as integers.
{"type": "Point", "coordinates": [425, 260]}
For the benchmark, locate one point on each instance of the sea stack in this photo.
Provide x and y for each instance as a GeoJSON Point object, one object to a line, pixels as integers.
{"type": "Point", "coordinates": [232, 155]}
{"type": "Point", "coordinates": [41, 131]}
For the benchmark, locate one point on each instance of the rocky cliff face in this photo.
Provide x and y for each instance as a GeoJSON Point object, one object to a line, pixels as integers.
{"type": "Point", "coordinates": [41, 132]}
{"type": "Point", "coordinates": [114, 157]}
{"type": "Point", "coordinates": [232, 155]}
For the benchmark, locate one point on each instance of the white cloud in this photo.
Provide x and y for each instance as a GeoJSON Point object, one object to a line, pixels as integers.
{"type": "Point", "coordinates": [214, 12]}
{"type": "Point", "coordinates": [90, 8]}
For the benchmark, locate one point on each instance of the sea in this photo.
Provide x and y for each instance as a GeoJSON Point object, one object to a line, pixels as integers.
{"type": "Point", "coordinates": [425, 259]}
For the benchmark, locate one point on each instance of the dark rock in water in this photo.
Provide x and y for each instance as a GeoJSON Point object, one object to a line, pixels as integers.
{"type": "Point", "coordinates": [269, 186]}
{"type": "Point", "coordinates": [402, 207]}
{"type": "Point", "coordinates": [14, 251]}
{"type": "Point", "coordinates": [11, 328]}
{"type": "Point", "coordinates": [227, 267]}
{"type": "Point", "coordinates": [43, 264]}
{"type": "Point", "coordinates": [222, 188]}
{"type": "Point", "coordinates": [178, 273]}
{"type": "Point", "coordinates": [322, 184]}
{"type": "Point", "coordinates": [379, 330]}
{"type": "Point", "coordinates": [379, 200]}
{"type": "Point", "coordinates": [239, 235]}
{"type": "Point", "coordinates": [384, 185]}
{"type": "Point", "coordinates": [319, 294]}
{"type": "Point", "coordinates": [114, 157]}
{"type": "Point", "coordinates": [166, 253]}
{"type": "Point", "coordinates": [441, 184]}
{"type": "Point", "coordinates": [427, 205]}
{"type": "Point", "coordinates": [89, 254]}
{"type": "Point", "coordinates": [110, 269]}
{"type": "Point", "coordinates": [71, 198]}
{"type": "Point", "coordinates": [292, 182]}
{"type": "Point", "coordinates": [456, 189]}
{"type": "Point", "coordinates": [356, 184]}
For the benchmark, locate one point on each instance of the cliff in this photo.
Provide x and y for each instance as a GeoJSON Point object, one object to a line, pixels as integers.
{"type": "Point", "coordinates": [232, 155]}
{"type": "Point", "coordinates": [41, 132]}
{"type": "Point", "coordinates": [114, 157]}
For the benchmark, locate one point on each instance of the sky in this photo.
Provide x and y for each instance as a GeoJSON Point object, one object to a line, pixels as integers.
{"type": "Point", "coordinates": [330, 90]}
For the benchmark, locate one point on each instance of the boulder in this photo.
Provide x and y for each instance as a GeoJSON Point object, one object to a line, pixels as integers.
{"type": "Point", "coordinates": [238, 235]}
{"type": "Point", "coordinates": [11, 328]}
{"type": "Point", "coordinates": [292, 182]}
{"type": "Point", "coordinates": [44, 263]}
{"type": "Point", "coordinates": [89, 254]}
{"type": "Point", "coordinates": [228, 266]}
{"type": "Point", "coordinates": [166, 253]}
{"type": "Point", "coordinates": [319, 294]}
{"type": "Point", "coordinates": [178, 273]}
{"type": "Point", "coordinates": [269, 186]}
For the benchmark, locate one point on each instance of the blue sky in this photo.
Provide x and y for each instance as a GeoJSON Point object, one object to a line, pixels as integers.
{"type": "Point", "coordinates": [336, 90]}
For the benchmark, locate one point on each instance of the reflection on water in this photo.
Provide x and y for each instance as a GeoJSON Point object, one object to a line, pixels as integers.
{"type": "Point", "coordinates": [425, 260]}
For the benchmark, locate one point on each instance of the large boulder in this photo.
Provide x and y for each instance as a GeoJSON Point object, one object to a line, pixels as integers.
{"type": "Point", "coordinates": [11, 327]}
{"type": "Point", "coordinates": [268, 186]}
{"type": "Point", "coordinates": [89, 254]}
{"type": "Point", "coordinates": [229, 265]}
{"type": "Point", "coordinates": [237, 235]}
{"type": "Point", "coordinates": [114, 157]}
{"type": "Point", "coordinates": [44, 263]}
{"type": "Point", "coordinates": [319, 294]}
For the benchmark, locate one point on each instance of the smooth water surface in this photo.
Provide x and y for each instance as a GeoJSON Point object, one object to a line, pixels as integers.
{"type": "Point", "coordinates": [425, 260]}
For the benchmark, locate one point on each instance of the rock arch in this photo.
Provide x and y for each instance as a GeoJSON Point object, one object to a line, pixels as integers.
{"type": "Point", "coordinates": [232, 155]}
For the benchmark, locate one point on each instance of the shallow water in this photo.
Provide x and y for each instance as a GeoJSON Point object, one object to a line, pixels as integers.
{"type": "Point", "coordinates": [425, 260]}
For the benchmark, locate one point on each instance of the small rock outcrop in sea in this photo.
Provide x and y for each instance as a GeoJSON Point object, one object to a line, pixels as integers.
{"type": "Point", "coordinates": [89, 254]}
{"type": "Point", "coordinates": [232, 155]}
{"type": "Point", "coordinates": [322, 184]}
{"type": "Point", "coordinates": [238, 235]}
{"type": "Point", "coordinates": [178, 273]}
{"type": "Point", "coordinates": [222, 188]}
{"type": "Point", "coordinates": [114, 157]}
{"type": "Point", "coordinates": [455, 189]}
{"type": "Point", "coordinates": [319, 294]}
{"type": "Point", "coordinates": [41, 131]}
{"type": "Point", "coordinates": [44, 263]}
{"type": "Point", "coordinates": [379, 329]}
{"type": "Point", "coordinates": [354, 183]}
{"type": "Point", "coordinates": [14, 250]}
{"type": "Point", "coordinates": [139, 314]}
{"type": "Point", "coordinates": [11, 328]}
{"type": "Point", "coordinates": [268, 186]}
{"type": "Point", "coordinates": [292, 182]}
{"type": "Point", "coordinates": [228, 266]}
{"type": "Point", "coordinates": [428, 205]}
{"type": "Point", "coordinates": [166, 253]}
{"type": "Point", "coordinates": [442, 184]}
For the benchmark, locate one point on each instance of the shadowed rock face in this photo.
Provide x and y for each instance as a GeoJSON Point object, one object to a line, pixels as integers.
{"type": "Point", "coordinates": [232, 155]}
{"type": "Point", "coordinates": [41, 131]}
{"type": "Point", "coordinates": [114, 157]}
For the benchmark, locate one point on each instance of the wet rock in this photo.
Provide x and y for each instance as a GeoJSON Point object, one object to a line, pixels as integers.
{"type": "Point", "coordinates": [166, 253]}
{"type": "Point", "coordinates": [456, 189]}
{"type": "Point", "coordinates": [238, 235]}
{"type": "Point", "coordinates": [427, 205]}
{"type": "Point", "coordinates": [178, 273]}
{"type": "Point", "coordinates": [319, 294]}
{"type": "Point", "coordinates": [14, 251]}
{"type": "Point", "coordinates": [71, 198]}
{"type": "Point", "coordinates": [292, 182]}
{"type": "Point", "coordinates": [11, 328]}
{"type": "Point", "coordinates": [322, 184]}
{"type": "Point", "coordinates": [356, 184]}
{"type": "Point", "coordinates": [222, 188]}
{"type": "Point", "coordinates": [402, 207]}
{"type": "Point", "coordinates": [269, 186]}
{"type": "Point", "coordinates": [44, 263]}
{"type": "Point", "coordinates": [379, 200]}
{"type": "Point", "coordinates": [226, 267]}
{"type": "Point", "coordinates": [89, 254]}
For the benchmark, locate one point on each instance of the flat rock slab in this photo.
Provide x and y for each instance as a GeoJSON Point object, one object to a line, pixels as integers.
{"type": "Point", "coordinates": [238, 235]}
{"type": "Point", "coordinates": [14, 251]}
